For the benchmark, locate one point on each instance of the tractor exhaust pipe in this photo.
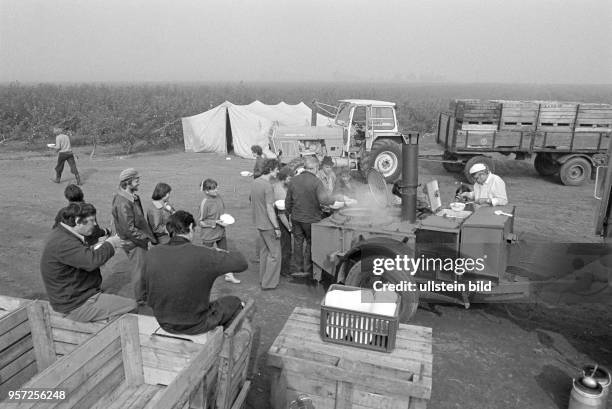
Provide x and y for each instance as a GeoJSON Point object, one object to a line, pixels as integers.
{"type": "Point", "coordinates": [410, 176]}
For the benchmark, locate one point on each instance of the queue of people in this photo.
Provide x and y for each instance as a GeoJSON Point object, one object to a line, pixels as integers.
{"type": "Point", "coordinates": [172, 271]}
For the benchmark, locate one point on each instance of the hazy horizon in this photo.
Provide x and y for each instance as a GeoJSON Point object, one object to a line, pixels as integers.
{"type": "Point", "coordinates": [543, 42]}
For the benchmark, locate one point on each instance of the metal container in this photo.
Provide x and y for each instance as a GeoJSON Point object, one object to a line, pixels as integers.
{"type": "Point", "coordinates": [603, 377]}
{"type": "Point", "coordinates": [583, 397]}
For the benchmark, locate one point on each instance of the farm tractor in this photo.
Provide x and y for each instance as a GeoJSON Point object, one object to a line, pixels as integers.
{"type": "Point", "coordinates": [362, 135]}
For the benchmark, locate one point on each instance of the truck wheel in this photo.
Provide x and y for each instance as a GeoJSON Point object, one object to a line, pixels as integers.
{"type": "Point", "coordinates": [575, 171]}
{"type": "Point", "coordinates": [409, 299]}
{"type": "Point", "coordinates": [385, 157]}
{"type": "Point", "coordinates": [545, 165]}
{"type": "Point", "coordinates": [451, 167]}
{"type": "Point", "coordinates": [485, 160]}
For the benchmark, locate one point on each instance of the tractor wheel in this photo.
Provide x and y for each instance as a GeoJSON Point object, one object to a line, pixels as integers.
{"type": "Point", "coordinates": [545, 165]}
{"type": "Point", "coordinates": [485, 160]}
{"type": "Point", "coordinates": [385, 157]}
{"type": "Point", "coordinates": [575, 171]}
{"type": "Point", "coordinates": [456, 167]}
{"type": "Point", "coordinates": [409, 299]}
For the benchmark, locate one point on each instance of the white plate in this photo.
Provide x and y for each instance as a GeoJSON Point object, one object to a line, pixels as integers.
{"type": "Point", "coordinates": [246, 173]}
{"type": "Point", "coordinates": [280, 204]}
{"type": "Point", "coordinates": [227, 219]}
{"type": "Point", "coordinates": [50, 145]}
{"type": "Point", "coordinates": [337, 205]}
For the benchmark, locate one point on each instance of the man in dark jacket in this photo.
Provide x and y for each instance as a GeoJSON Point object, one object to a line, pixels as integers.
{"type": "Point", "coordinates": [132, 227]}
{"type": "Point", "coordinates": [71, 269]}
{"type": "Point", "coordinates": [179, 276]}
{"type": "Point", "coordinates": [305, 196]}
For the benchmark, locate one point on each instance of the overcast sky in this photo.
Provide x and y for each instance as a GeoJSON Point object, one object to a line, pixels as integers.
{"type": "Point", "coordinates": [528, 41]}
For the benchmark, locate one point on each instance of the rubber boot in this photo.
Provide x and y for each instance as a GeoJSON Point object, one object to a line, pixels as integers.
{"type": "Point", "coordinates": [78, 179]}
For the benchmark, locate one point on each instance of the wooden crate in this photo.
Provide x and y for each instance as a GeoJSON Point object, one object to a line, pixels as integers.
{"type": "Point", "coordinates": [557, 116]}
{"type": "Point", "coordinates": [594, 117]}
{"type": "Point", "coordinates": [477, 115]}
{"type": "Point", "coordinates": [163, 357]}
{"type": "Point", "coordinates": [336, 376]}
{"type": "Point", "coordinates": [106, 372]}
{"type": "Point", "coordinates": [518, 115]}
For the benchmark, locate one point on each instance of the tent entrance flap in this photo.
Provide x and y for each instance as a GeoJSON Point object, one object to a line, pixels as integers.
{"type": "Point", "coordinates": [229, 144]}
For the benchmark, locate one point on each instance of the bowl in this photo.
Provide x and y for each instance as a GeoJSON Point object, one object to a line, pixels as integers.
{"type": "Point", "coordinates": [227, 219]}
{"type": "Point", "coordinates": [457, 206]}
{"type": "Point", "coordinates": [280, 204]}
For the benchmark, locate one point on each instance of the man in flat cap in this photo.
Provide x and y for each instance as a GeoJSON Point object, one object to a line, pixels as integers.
{"type": "Point", "coordinates": [132, 227]}
{"type": "Point", "coordinates": [489, 188]}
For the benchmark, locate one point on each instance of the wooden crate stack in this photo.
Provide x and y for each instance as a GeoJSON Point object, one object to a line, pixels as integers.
{"type": "Point", "coordinates": [518, 115]}
{"type": "Point", "coordinates": [337, 376]}
{"type": "Point", "coordinates": [594, 117]}
{"type": "Point", "coordinates": [476, 115]}
{"type": "Point", "coordinates": [557, 116]}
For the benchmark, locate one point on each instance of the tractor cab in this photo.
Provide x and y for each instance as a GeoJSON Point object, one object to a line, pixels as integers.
{"type": "Point", "coordinates": [364, 120]}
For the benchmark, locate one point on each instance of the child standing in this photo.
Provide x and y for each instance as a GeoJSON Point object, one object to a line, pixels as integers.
{"type": "Point", "coordinates": [212, 230]}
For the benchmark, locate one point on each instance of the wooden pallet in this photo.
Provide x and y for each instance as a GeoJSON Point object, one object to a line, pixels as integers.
{"type": "Point", "coordinates": [336, 376]}
{"type": "Point", "coordinates": [106, 372]}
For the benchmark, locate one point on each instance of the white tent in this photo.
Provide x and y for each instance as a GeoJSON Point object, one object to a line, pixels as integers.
{"type": "Point", "coordinates": [248, 125]}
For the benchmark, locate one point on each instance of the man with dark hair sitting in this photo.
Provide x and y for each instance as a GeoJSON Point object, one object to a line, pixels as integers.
{"type": "Point", "coordinates": [70, 268]}
{"type": "Point", "coordinates": [178, 277]}
{"type": "Point", "coordinates": [74, 194]}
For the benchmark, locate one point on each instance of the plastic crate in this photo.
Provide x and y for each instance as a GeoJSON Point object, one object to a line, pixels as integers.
{"type": "Point", "coordinates": [358, 329]}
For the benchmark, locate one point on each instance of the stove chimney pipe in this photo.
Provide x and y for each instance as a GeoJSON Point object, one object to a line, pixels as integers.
{"type": "Point", "coordinates": [313, 114]}
{"type": "Point", "coordinates": [410, 176]}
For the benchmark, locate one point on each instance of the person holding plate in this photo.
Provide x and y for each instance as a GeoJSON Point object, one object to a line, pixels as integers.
{"type": "Point", "coordinates": [64, 150]}
{"type": "Point", "coordinates": [212, 227]}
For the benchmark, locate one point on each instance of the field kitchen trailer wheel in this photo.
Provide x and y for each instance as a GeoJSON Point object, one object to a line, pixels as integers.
{"type": "Point", "coordinates": [485, 160]}
{"type": "Point", "coordinates": [409, 299]}
{"type": "Point", "coordinates": [456, 167]}
{"type": "Point", "coordinates": [545, 165]}
{"type": "Point", "coordinates": [385, 157]}
{"type": "Point", "coordinates": [575, 171]}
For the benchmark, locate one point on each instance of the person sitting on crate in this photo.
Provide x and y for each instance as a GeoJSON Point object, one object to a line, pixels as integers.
{"type": "Point", "coordinates": [178, 278]}
{"type": "Point", "coordinates": [489, 188]}
{"type": "Point", "coordinates": [70, 268]}
{"type": "Point", "coordinates": [74, 194]}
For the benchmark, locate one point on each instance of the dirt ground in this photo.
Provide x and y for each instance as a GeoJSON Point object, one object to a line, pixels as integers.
{"type": "Point", "coordinates": [484, 357]}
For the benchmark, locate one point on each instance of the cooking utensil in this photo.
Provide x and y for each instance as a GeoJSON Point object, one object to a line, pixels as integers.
{"type": "Point", "coordinates": [502, 213]}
